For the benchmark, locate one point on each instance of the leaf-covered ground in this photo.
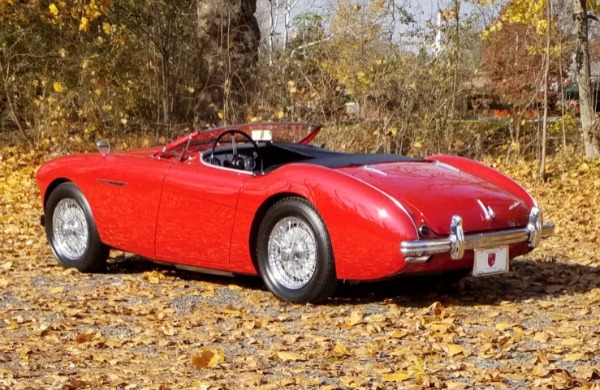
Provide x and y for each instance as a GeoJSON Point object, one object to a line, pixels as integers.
{"type": "Point", "coordinates": [141, 326]}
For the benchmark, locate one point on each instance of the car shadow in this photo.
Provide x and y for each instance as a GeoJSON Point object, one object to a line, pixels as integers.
{"type": "Point", "coordinates": [528, 279]}
{"type": "Point", "coordinates": [134, 264]}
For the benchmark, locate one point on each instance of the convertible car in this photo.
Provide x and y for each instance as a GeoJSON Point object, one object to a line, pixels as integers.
{"type": "Point", "coordinates": [260, 199]}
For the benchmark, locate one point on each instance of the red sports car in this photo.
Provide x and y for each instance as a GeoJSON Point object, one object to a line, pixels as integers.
{"type": "Point", "coordinates": [259, 199]}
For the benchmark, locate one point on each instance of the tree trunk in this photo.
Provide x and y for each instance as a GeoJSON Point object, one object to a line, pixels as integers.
{"type": "Point", "coordinates": [586, 103]}
{"type": "Point", "coordinates": [562, 90]}
{"type": "Point", "coordinates": [546, 86]}
{"type": "Point", "coordinates": [456, 49]}
{"type": "Point", "coordinates": [229, 36]}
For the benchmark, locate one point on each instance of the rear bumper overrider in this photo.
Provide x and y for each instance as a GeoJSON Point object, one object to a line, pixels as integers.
{"type": "Point", "coordinates": [420, 251]}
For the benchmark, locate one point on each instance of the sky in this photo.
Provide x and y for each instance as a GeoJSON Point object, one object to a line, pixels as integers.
{"type": "Point", "coordinates": [423, 10]}
{"type": "Point", "coordinates": [424, 13]}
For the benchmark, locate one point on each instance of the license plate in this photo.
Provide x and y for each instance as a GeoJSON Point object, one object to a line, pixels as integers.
{"type": "Point", "coordinates": [490, 261]}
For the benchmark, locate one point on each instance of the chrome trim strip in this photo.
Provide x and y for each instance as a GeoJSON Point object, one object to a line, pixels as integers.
{"type": "Point", "coordinates": [223, 168]}
{"type": "Point", "coordinates": [374, 170]}
{"type": "Point", "coordinates": [457, 242]}
{"type": "Point", "coordinates": [444, 165]}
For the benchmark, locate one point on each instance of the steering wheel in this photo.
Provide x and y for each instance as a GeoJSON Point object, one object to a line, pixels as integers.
{"type": "Point", "coordinates": [238, 161]}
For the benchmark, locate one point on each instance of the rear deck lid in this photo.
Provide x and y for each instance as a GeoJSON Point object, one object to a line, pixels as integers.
{"type": "Point", "coordinates": [434, 192]}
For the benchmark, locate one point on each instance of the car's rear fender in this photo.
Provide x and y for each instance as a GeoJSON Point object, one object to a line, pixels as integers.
{"type": "Point", "coordinates": [365, 225]}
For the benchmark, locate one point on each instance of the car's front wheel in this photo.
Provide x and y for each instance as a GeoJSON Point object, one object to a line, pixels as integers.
{"type": "Point", "coordinates": [71, 230]}
{"type": "Point", "coordinates": [294, 252]}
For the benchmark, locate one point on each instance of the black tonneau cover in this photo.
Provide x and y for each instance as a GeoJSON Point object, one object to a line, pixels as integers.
{"type": "Point", "coordinates": [330, 159]}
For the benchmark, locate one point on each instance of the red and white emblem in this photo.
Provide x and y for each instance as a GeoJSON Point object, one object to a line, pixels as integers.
{"type": "Point", "coordinates": [491, 259]}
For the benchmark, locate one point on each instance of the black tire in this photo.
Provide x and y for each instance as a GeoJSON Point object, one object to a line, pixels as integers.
{"type": "Point", "coordinates": [76, 243]}
{"type": "Point", "coordinates": [309, 254]}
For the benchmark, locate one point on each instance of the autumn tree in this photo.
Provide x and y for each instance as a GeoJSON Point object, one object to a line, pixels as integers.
{"type": "Point", "coordinates": [523, 60]}
{"type": "Point", "coordinates": [77, 69]}
{"type": "Point", "coordinates": [531, 13]}
{"type": "Point", "coordinates": [586, 98]}
{"type": "Point", "coordinates": [44, 48]}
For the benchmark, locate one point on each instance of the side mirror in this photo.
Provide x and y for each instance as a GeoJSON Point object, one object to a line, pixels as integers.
{"type": "Point", "coordinates": [103, 147]}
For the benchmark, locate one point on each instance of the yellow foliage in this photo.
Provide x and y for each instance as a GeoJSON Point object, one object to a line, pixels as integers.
{"type": "Point", "coordinates": [355, 31]}
{"type": "Point", "coordinates": [541, 26]}
{"type": "Point", "coordinates": [84, 24]}
{"type": "Point", "coordinates": [526, 12]}
{"type": "Point", "coordinates": [53, 9]}
{"type": "Point", "coordinates": [108, 28]}
{"type": "Point", "coordinates": [57, 86]}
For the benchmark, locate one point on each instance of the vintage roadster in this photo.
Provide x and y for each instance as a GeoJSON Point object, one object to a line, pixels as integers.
{"type": "Point", "coordinates": [260, 199]}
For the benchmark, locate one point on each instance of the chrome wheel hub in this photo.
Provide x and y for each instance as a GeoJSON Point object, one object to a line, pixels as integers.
{"type": "Point", "coordinates": [69, 229]}
{"type": "Point", "coordinates": [292, 253]}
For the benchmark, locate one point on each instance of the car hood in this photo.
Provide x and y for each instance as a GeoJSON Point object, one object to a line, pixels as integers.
{"type": "Point", "coordinates": [432, 193]}
{"type": "Point", "coordinates": [142, 152]}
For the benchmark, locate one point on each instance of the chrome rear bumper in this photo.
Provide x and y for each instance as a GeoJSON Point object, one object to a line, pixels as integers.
{"type": "Point", "coordinates": [419, 251]}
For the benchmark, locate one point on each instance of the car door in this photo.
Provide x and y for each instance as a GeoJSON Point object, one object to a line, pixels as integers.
{"type": "Point", "coordinates": [197, 213]}
{"type": "Point", "coordinates": [126, 198]}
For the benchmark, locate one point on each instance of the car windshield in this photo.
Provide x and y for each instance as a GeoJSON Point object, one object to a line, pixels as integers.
{"type": "Point", "coordinates": [300, 133]}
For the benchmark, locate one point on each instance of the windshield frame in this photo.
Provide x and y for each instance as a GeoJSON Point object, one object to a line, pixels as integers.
{"type": "Point", "coordinates": [204, 139]}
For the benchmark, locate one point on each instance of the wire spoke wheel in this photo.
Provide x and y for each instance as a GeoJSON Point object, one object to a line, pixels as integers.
{"type": "Point", "coordinates": [72, 232]}
{"type": "Point", "coordinates": [292, 252]}
{"type": "Point", "coordinates": [70, 229]}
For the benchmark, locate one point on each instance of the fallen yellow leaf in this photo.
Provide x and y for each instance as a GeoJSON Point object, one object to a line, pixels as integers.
{"type": "Point", "coordinates": [340, 349]}
{"type": "Point", "coordinates": [289, 356]}
{"type": "Point", "coordinates": [395, 377]}
{"type": "Point", "coordinates": [83, 338]}
{"type": "Point", "coordinates": [541, 357]}
{"type": "Point", "coordinates": [208, 357]}
{"type": "Point", "coordinates": [57, 290]}
{"type": "Point", "coordinates": [100, 357]}
{"type": "Point", "coordinates": [453, 349]}
{"type": "Point", "coordinates": [355, 317]}
{"type": "Point", "coordinates": [456, 386]}
{"type": "Point", "coordinates": [572, 357]}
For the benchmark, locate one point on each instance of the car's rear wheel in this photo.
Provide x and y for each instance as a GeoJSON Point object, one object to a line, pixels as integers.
{"type": "Point", "coordinates": [294, 252]}
{"type": "Point", "coordinates": [71, 230]}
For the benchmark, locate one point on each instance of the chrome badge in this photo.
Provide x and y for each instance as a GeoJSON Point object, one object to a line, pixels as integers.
{"type": "Point", "coordinates": [514, 205]}
{"type": "Point", "coordinates": [488, 212]}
